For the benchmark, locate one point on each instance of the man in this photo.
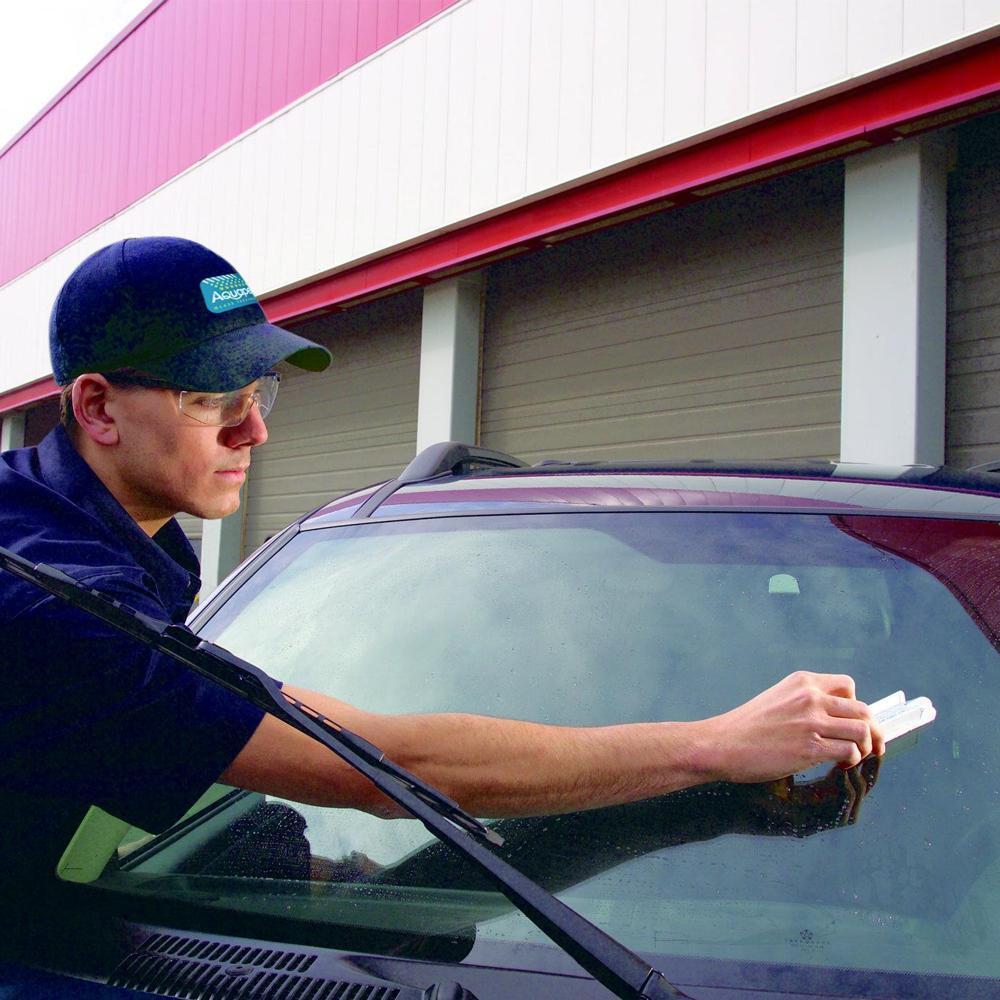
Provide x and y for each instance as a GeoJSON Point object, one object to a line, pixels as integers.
{"type": "Point", "coordinates": [167, 362]}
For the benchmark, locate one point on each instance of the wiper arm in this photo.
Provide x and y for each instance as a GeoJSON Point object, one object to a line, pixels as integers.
{"type": "Point", "coordinates": [607, 960]}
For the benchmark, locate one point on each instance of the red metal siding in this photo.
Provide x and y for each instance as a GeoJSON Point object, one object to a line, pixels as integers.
{"type": "Point", "coordinates": [184, 79]}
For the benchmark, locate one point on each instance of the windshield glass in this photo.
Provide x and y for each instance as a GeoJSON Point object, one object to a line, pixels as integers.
{"type": "Point", "coordinates": [594, 618]}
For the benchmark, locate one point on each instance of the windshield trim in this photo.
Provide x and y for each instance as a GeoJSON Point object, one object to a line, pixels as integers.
{"type": "Point", "coordinates": [520, 509]}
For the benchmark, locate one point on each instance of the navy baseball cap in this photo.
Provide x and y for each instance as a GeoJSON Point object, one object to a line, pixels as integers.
{"type": "Point", "coordinates": [173, 309]}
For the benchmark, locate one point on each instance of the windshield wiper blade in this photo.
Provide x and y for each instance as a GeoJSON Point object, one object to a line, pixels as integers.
{"type": "Point", "coordinates": [606, 959]}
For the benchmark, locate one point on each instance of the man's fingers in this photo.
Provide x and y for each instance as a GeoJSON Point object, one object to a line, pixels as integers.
{"type": "Point", "coordinates": [851, 708]}
{"type": "Point", "coordinates": [841, 685]}
{"type": "Point", "coordinates": [878, 742]}
{"type": "Point", "coordinates": [856, 730]}
{"type": "Point", "coordinates": [844, 752]}
{"type": "Point", "coordinates": [847, 708]}
{"type": "Point", "coordinates": [858, 709]}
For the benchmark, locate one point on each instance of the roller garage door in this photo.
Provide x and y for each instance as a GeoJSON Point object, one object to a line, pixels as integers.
{"type": "Point", "coordinates": [349, 426]}
{"type": "Point", "coordinates": [710, 330]}
{"type": "Point", "coordinates": [973, 382]}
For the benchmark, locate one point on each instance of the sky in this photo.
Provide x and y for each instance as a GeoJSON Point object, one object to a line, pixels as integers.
{"type": "Point", "coordinates": [44, 44]}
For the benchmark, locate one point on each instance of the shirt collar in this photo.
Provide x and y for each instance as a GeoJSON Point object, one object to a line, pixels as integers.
{"type": "Point", "coordinates": [167, 557]}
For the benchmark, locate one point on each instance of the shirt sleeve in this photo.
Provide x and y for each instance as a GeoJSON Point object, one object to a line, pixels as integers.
{"type": "Point", "coordinates": [94, 716]}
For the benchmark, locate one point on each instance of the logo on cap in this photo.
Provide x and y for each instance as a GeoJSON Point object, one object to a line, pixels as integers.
{"type": "Point", "coordinates": [225, 292]}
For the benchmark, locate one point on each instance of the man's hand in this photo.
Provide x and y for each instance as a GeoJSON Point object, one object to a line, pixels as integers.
{"type": "Point", "coordinates": [804, 720]}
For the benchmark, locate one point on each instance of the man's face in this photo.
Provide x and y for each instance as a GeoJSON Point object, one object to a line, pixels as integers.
{"type": "Point", "coordinates": [167, 462]}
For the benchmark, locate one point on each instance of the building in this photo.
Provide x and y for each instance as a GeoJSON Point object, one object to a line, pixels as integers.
{"type": "Point", "coordinates": [584, 228]}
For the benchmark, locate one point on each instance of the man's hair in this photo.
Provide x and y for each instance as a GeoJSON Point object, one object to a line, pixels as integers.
{"type": "Point", "coordinates": [66, 416]}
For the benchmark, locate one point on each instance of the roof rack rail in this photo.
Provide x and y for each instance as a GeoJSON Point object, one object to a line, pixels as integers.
{"type": "Point", "coordinates": [993, 466]}
{"type": "Point", "coordinates": [437, 460]}
{"type": "Point", "coordinates": [456, 458]}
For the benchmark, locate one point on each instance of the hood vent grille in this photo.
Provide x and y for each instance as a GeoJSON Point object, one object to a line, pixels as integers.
{"type": "Point", "coordinates": [172, 966]}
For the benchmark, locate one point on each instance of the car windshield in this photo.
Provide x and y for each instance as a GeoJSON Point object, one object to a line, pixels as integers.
{"type": "Point", "coordinates": [593, 618]}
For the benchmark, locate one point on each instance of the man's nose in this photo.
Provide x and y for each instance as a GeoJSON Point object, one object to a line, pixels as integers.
{"type": "Point", "coordinates": [252, 430]}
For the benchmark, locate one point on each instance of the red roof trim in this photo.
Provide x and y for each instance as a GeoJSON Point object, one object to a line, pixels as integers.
{"type": "Point", "coordinates": [871, 114]}
{"type": "Point", "coordinates": [34, 392]}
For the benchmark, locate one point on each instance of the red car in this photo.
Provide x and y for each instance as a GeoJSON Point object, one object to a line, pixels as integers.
{"type": "Point", "coordinates": [592, 594]}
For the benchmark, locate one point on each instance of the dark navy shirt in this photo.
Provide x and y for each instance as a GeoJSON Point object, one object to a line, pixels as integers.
{"type": "Point", "coordinates": [88, 715]}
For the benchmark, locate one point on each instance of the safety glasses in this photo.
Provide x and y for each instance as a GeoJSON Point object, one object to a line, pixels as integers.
{"type": "Point", "coordinates": [216, 409]}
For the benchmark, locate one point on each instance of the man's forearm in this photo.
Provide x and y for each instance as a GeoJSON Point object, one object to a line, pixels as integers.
{"type": "Point", "coordinates": [502, 767]}
{"type": "Point", "coordinates": [492, 767]}
{"type": "Point", "coordinates": [499, 767]}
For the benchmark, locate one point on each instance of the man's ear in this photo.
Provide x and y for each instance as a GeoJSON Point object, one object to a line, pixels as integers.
{"type": "Point", "coordinates": [91, 395]}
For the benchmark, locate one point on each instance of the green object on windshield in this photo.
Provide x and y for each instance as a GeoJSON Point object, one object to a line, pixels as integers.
{"type": "Point", "coordinates": [89, 850]}
{"type": "Point", "coordinates": [100, 834]}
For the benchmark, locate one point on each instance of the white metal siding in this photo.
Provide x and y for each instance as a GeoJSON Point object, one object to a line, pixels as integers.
{"type": "Point", "coordinates": [491, 103]}
{"type": "Point", "coordinates": [973, 381]}
{"type": "Point", "coordinates": [709, 331]}
{"type": "Point", "coordinates": [349, 426]}
{"type": "Point", "coordinates": [193, 529]}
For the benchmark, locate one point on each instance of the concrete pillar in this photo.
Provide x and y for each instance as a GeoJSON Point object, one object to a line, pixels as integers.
{"type": "Point", "coordinates": [450, 339]}
{"type": "Point", "coordinates": [12, 430]}
{"type": "Point", "coordinates": [895, 232]}
{"type": "Point", "coordinates": [221, 547]}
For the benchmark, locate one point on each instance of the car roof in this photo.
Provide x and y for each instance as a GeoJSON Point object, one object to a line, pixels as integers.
{"type": "Point", "coordinates": [453, 478]}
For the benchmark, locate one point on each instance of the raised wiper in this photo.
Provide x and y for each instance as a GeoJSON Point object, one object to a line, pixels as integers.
{"type": "Point", "coordinates": [607, 960]}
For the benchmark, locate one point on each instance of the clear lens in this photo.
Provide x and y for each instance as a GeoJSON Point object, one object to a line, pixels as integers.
{"type": "Point", "coordinates": [227, 409]}
{"type": "Point", "coordinates": [267, 392]}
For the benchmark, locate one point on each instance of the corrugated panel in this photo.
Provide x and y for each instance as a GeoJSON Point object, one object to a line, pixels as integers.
{"type": "Point", "coordinates": [187, 79]}
{"type": "Point", "coordinates": [973, 365]}
{"type": "Point", "coordinates": [711, 331]}
{"type": "Point", "coordinates": [352, 425]}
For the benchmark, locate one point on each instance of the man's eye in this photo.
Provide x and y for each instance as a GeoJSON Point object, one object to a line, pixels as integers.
{"type": "Point", "coordinates": [208, 402]}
